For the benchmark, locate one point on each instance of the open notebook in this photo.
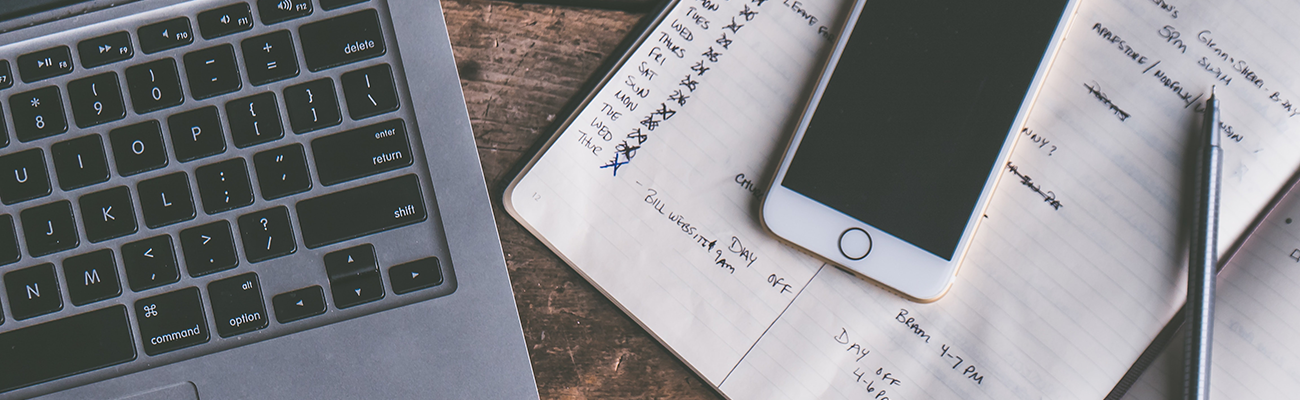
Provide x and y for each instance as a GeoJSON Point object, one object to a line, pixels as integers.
{"type": "Point", "coordinates": [651, 191]}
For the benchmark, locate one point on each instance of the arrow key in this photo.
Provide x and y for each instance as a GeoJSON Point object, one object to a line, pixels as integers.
{"type": "Point", "coordinates": [299, 304]}
{"type": "Point", "coordinates": [105, 49]}
{"type": "Point", "coordinates": [357, 290]}
{"type": "Point", "coordinates": [354, 276]}
{"type": "Point", "coordinates": [415, 275]}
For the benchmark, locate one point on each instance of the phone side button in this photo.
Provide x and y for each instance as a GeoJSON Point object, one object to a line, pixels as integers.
{"type": "Point", "coordinates": [855, 243]}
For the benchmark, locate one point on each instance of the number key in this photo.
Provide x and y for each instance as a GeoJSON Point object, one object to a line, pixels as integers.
{"type": "Point", "coordinates": [154, 86]}
{"type": "Point", "coordinates": [96, 100]}
{"type": "Point", "coordinates": [38, 113]}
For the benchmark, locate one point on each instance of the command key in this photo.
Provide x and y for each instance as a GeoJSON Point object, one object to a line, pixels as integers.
{"type": "Point", "coordinates": [171, 321]}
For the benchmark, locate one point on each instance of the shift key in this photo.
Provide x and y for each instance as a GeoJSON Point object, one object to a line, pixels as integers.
{"type": "Point", "coordinates": [361, 152]}
{"type": "Point", "coordinates": [361, 211]}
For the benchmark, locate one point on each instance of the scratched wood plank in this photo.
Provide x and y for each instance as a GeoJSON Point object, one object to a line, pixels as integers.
{"type": "Point", "coordinates": [519, 65]}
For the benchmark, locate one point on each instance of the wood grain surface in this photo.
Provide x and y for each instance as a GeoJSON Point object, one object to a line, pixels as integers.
{"type": "Point", "coordinates": [519, 65]}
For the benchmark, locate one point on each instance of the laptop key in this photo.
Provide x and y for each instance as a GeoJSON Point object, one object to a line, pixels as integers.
{"type": "Point", "coordinates": [361, 152]}
{"type": "Point", "coordinates": [196, 134]}
{"type": "Point", "coordinates": [45, 64]}
{"type": "Point", "coordinates": [332, 4]}
{"type": "Point", "coordinates": [108, 214]}
{"type": "Point", "coordinates": [237, 305]}
{"type": "Point", "coordinates": [369, 92]}
{"type": "Point", "coordinates": [33, 291]}
{"type": "Point", "coordinates": [299, 304]}
{"type": "Point", "coordinates": [312, 105]}
{"type": "Point", "coordinates": [415, 275]}
{"type": "Point", "coordinates": [212, 71]}
{"type": "Point", "coordinates": [9, 252]}
{"type": "Point", "coordinates": [224, 186]}
{"type": "Point", "coordinates": [150, 263]}
{"type": "Point", "coordinates": [6, 75]}
{"type": "Point", "coordinates": [354, 276]}
{"type": "Point", "coordinates": [154, 86]}
{"type": "Point", "coordinates": [138, 148]}
{"type": "Point", "coordinates": [49, 228]}
{"type": "Point", "coordinates": [209, 248]}
{"type": "Point", "coordinates": [38, 113]}
{"type": "Point", "coordinates": [72, 345]}
{"type": "Point", "coordinates": [254, 120]}
{"type": "Point", "coordinates": [80, 162]}
{"type": "Point", "coordinates": [358, 211]}
{"type": "Point", "coordinates": [105, 49]}
{"type": "Point", "coordinates": [282, 171]}
{"type": "Point", "coordinates": [267, 234]}
{"type": "Point", "coordinates": [165, 35]}
{"type": "Point", "coordinates": [91, 277]}
{"type": "Point", "coordinates": [171, 321]}
{"type": "Point", "coordinates": [166, 200]}
{"type": "Point", "coordinates": [269, 58]}
{"type": "Point", "coordinates": [226, 20]}
{"type": "Point", "coordinates": [96, 100]}
{"type": "Point", "coordinates": [23, 176]}
{"type": "Point", "coordinates": [341, 40]}
{"type": "Point", "coordinates": [274, 11]}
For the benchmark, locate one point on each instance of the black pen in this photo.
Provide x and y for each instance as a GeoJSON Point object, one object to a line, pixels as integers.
{"type": "Point", "coordinates": [1203, 260]}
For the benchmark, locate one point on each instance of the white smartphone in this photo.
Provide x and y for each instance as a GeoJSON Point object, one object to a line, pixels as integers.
{"type": "Point", "coordinates": [910, 126]}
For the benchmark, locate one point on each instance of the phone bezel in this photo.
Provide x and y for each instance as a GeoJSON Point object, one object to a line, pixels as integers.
{"type": "Point", "coordinates": [815, 227]}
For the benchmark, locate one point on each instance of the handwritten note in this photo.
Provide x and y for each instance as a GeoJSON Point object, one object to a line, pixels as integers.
{"type": "Point", "coordinates": [657, 179]}
{"type": "Point", "coordinates": [651, 192]}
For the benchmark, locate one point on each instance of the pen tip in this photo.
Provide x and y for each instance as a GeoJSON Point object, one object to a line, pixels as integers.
{"type": "Point", "coordinates": [1212, 87]}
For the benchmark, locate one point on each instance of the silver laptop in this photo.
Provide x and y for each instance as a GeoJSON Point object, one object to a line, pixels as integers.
{"type": "Point", "coordinates": [245, 199]}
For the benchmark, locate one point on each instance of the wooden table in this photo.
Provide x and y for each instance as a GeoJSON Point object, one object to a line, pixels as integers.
{"type": "Point", "coordinates": [519, 65]}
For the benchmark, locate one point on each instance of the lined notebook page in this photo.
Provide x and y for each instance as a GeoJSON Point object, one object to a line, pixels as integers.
{"type": "Point", "coordinates": [1257, 315]}
{"type": "Point", "coordinates": [652, 193]}
{"type": "Point", "coordinates": [1058, 302]}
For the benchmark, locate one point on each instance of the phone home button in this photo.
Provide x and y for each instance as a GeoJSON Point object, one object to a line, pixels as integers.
{"type": "Point", "coordinates": [855, 243]}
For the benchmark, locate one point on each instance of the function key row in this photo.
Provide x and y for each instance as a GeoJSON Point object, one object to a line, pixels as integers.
{"type": "Point", "coordinates": [330, 43]}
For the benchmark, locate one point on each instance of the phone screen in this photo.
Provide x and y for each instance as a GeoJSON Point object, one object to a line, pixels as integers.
{"type": "Point", "coordinates": [918, 108]}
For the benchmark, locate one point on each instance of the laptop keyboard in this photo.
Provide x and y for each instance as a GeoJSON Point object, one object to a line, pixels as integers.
{"type": "Point", "coordinates": [203, 176]}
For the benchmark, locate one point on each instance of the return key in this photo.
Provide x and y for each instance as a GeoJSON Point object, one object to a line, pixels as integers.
{"type": "Point", "coordinates": [361, 152]}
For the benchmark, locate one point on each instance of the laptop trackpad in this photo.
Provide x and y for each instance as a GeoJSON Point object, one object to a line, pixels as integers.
{"type": "Point", "coordinates": [183, 390]}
